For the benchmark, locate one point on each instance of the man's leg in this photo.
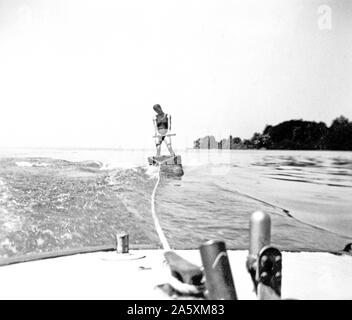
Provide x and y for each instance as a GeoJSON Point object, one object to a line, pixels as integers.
{"type": "Point", "coordinates": [158, 146]}
{"type": "Point", "coordinates": [168, 144]}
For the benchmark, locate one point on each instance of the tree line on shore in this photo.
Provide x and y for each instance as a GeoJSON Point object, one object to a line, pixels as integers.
{"type": "Point", "coordinates": [290, 135]}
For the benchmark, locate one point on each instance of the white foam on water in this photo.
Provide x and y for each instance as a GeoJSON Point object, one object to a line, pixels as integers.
{"type": "Point", "coordinates": [8, 221]}
{"type": "Point", "coordinates": [4, 192]}
{"type": "Point", "coordinates": [40, 242]}
{"type": "Point", "coordinates": [31, 164]}
{"type": "Point", "coordinates": [49, 232]}
{"type": "Point", "coordinates": [41, 164]}
{"type": "Point", "coordinates": [152, 172]}
{"type": "Point", "coordinates": [24, 164]}
{"type": "Point", "coordinates": [67, 236]}
{"type": "Point", "coordinates": [7, 244]}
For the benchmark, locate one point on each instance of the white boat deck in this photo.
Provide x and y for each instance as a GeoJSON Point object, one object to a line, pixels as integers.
{"type": "Point", "coordinates": [107, 275]}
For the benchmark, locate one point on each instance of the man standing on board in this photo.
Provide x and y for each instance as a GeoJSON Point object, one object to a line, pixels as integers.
{"type": "Point", "coordinates": [162, 123]}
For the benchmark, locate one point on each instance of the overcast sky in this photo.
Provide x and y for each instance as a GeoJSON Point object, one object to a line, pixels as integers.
{"type": "Point", "coordinates": [83, 73]}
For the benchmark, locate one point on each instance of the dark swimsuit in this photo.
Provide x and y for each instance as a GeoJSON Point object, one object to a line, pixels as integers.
{"type": "Point", "coordinates": [162, 122]}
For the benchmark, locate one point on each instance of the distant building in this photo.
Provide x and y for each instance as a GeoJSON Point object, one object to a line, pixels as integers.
{"type": "Point", "coordinates": [207, 142]}
{"type": "Point", "coordinates": [204, 143]}
{"type": "Point", "coordinates": [225, 143]}
{"type": "Point", "coordinates": [212, 143]}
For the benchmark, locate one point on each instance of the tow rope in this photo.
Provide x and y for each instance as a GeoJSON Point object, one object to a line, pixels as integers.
{"type": "Point", "coordinates": [158, 228]}
{"type": "Point", "coordinates": [180, 287]}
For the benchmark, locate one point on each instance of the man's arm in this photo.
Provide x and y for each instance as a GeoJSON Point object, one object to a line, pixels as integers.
{"type": "Point", "coordinates": [170, 122]}
{"type": "Point", "coordinates": [155, 129]}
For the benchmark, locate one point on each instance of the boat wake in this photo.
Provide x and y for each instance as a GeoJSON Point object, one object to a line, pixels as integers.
{"type": "Point", "coordinates": [281, 211]}
{"type": "Point", "coordinates": [49, 204]}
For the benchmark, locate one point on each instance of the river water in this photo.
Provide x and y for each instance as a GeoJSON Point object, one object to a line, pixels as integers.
{"type": "Point", "coordinates": [56, 199]}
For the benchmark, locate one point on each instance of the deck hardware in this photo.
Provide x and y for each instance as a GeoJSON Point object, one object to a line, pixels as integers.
{"type": "Point", "coordinates": [122, 242]}
{"type": "Point", "coordinates": [218, 276]}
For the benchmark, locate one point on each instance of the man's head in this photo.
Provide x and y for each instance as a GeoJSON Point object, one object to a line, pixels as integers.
{"type": "Point", "coordinates": [158, 109]}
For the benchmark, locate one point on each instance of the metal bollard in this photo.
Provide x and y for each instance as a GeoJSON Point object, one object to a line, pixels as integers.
{"type": "Point", "coordinates": [260, 232]}
{"type": "Point", "coordinates": [259, 237]}
{"type": "Point", "coordinates": [218, 277]}
{"type": "Point", "coordinates": [122, 242]}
